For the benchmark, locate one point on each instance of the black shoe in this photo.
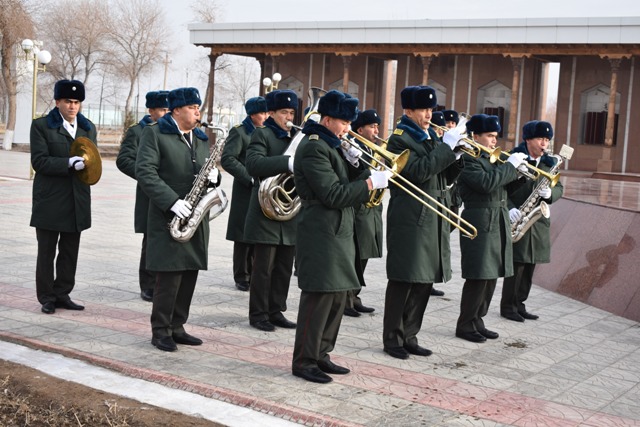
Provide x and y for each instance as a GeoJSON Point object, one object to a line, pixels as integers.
{"type": "Point", "coordinates": [471, 336]}
{"type": "Point", "coordinates": [69, 305]}
{"type": "Point", "coordinates": [351, 312]}
{"type": "Point", "coordinates": [48, 308]}
{"type": "Point", "coordinates": [489, 334]}
{"type": "Point", "coordinates": [282, 322]}
{"type": "Point", "coordinates": [164, 343]}
{"type": "Point", "coordinates": [397, 352]}
{"type": "Point", "coordinates": [513, 316]}
{"type": "Point", "coordinates": [312, 374]}
{"type": "Point", "coordinates": [436, 292]}
{"type": "Point", "coordinates": [147, 294]}
{"type": "Point", "coordinates": [242, 286]}
{"type": "Point", "coordinates": [186, 339]}
{"type": "Point", "coordinates": [263, 325]}
{"type": "Point", "coordinates": [529, 316]}
{"type": "Point", "coordinates": [331, 368]}
{"type": "Point", "coordinates": [417, 350]}
{"type": "Point", "coordinates": [362, 309]}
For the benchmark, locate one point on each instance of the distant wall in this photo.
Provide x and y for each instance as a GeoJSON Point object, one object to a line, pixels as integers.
{"type": "Point", "coordinates": [595, 257]}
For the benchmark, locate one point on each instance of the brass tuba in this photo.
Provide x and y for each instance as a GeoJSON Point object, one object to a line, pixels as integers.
{"type": "Point", "coordinates": [277, 194]}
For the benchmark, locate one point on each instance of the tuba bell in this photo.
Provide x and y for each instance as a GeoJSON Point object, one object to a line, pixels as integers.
{"type": "Point", "coordinates": [277, 194]}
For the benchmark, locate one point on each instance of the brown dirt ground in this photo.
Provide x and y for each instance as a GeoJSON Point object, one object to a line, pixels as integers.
{"type": "Point", "coordinates": [31, 398]}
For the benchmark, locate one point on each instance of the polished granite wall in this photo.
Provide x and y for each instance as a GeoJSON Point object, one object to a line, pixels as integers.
{"type": "Point", "coordinates": [595, 258]}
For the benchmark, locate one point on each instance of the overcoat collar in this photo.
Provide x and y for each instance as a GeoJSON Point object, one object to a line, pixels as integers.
{"type": "Point", "coordinates": [145, 121]}
{"type": "Point", "coordinates": [167, 125]}
{"type": "Point", "coordinates": [409, 126]}
{"type": "Point", "coordinates": [248, 125]}
{"type": "Point", "coordinates": [277, 130]}
{"type": "Point", "coordinates": [54, 120]}
{"type": "Point", "coordinates": [546, 159]}
{"type": "Point", "coordinates": [329, 137]}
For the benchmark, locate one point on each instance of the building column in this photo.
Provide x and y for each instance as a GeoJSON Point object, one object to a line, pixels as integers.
{"type": "Point", "coordinates": [210, 85]}
{"type": "Point", "coordinates": [517, 61]}
{"type": "Point", "coordinates": [611, 111]}
{"type": "Point", "coordinates": [346, 63]}
{"type": "Point", "coordinates": [426, 61]}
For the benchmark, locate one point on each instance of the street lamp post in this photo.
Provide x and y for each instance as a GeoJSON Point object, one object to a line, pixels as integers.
{"type": "Point", "coordinates": [271, 84]}
{"type": "Point", "coordinates": [40, 59]}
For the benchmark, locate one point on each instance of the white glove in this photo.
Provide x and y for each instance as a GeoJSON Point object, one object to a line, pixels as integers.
{"type": "Point", "coordinates": [545, 193]}
{"type": "Point", "coordinates": [515, 215]}
{"type": "Point", "coordinates": [76, 162]}
{"type": "Point", "coordinates": [291, 164]}
{"type": "Point", "coordinates": [213, 175]}
{"type": "Point", "coordinates": [352, 154]}
{"type": "Point", "coordinates": [453, 138]}
{"type": "Point", "coordinates": [516, 159]}
{"type": "Point", "coordinates": [181, 208]}
{"type": "Point", "coordinates": [380, 179]}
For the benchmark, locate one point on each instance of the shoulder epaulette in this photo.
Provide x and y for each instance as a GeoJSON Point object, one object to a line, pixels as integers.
{"type": "Point", "coordinates": [314, 137]}
{"type": "Point", "coordinates": [260, 127]}
{"type": "Point", "coordinates": [398, 131]}
{"type": "Point", "coordinates": [152, 124]}
{"type": "Point", "coordinates": [238, 125]}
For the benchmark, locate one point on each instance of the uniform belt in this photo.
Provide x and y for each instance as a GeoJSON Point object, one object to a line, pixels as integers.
{"type": "Point", "coordinates": [487, 204]}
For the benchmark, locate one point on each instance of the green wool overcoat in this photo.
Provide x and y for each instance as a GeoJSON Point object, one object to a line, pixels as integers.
{"type": "Point", "coordinates": [233, 160]}
{"type": "Point", "coordinates": [535, 246]}
{"type": "Point", "coordinates": [61, 202]}
{"type": "Point", "coordinates": [369, 231]}
{"type": "Point", "coordinates": [326, 252]}
{"type": "Point", "coordinates": [166, 172]}
{"type": "Point", "coordinates": [265, 159]}
{"type": "Point", "coordinates": [418, 240]}
{"type": "Point", "coordinates": [483, 189]}
{"type": "Point", "coordinates": [126, 162]}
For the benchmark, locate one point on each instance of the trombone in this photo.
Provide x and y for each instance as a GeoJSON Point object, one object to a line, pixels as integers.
{"type": "Point", "coordinates": [397, 162]}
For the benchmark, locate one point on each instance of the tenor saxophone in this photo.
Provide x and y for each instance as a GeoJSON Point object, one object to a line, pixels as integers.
{"type": "Point", "coordinates": [203, 199]}
{"type": "Point", "coordinates": [533, 208]}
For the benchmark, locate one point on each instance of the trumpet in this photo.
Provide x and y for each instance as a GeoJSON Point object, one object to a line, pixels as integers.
{"type": "Point", "coordinates": [475, 149]}
{"type": "Point", "coordinates": [532, 172]}
{"type": "Point", "coordinates": [396, 164]}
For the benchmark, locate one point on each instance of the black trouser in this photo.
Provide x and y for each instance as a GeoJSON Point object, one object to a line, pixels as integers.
{"type": "Point", "coordinates": [242, 261]}
{"type": "Point", "coordinates": [319, 318]}
{"type": "Point", "coordinates": [474, 304]}
{"type": "Point", "coordinates": [171, 301]}
{"type": "Point", "coordinates": [147, 278]}
{"type": "Point", "coordinates": [48, 288]}
{"type": "Point", "coordinates": [270, 277]}
{"type": "Point", "coordinates": [404, 307]}
{"type": "Point", "coordinates": [352, 296]}
{"type": "Point", "coordinates": [515, 289]}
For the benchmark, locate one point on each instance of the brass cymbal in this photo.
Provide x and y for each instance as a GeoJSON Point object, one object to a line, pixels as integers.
{"type": "Point", "coordinates": [85, 148]}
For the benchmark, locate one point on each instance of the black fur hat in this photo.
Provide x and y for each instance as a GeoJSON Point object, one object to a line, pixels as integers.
{"type": "Point", "coordinates": [437, 118]}
{"type": "Point", "coordinates": [537, 129]}
{"type": "Point", "coordinates": [68, 89]}
{"type": "Point", "coordinates": [255, 105]}
{"type": "Point", "coordinates": [365, 117]}
{"type": "Point", "coordinates": [279, 99]}
{"type": "Point", "coordinates": [339, 106]}
{"type": "Point", "coordinates": [157, 99]}
{"type": "Point", "coordinates": [418, 97]}
{"type": "Point", "coordinates": [184, 96]}
{"type": "Point", "coordinates": [451, 116]}
{"type": "Point", "coordinates": [481, 123]}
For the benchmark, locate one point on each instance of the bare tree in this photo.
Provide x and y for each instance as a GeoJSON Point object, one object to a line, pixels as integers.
{"type": "Point", "coordinates": [138, 33]}
{"type": "Point", "coordinates": [242, 77]}
{"type": "Point", "coordinates": [79, 40]}
{"type": "Point", "coordinates": [15, 25]}
{"type": "Point", "coordinates": [208, 11]}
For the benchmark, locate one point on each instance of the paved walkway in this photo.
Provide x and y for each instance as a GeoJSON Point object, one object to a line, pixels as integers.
{"type": "Point", "coordinates": [576, 366]}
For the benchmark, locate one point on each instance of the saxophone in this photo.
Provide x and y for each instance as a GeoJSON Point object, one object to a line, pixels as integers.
{"type": "Point", "coordinates": [533, 208]}
{"type": "Point", "coordinates": [203, 200]}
